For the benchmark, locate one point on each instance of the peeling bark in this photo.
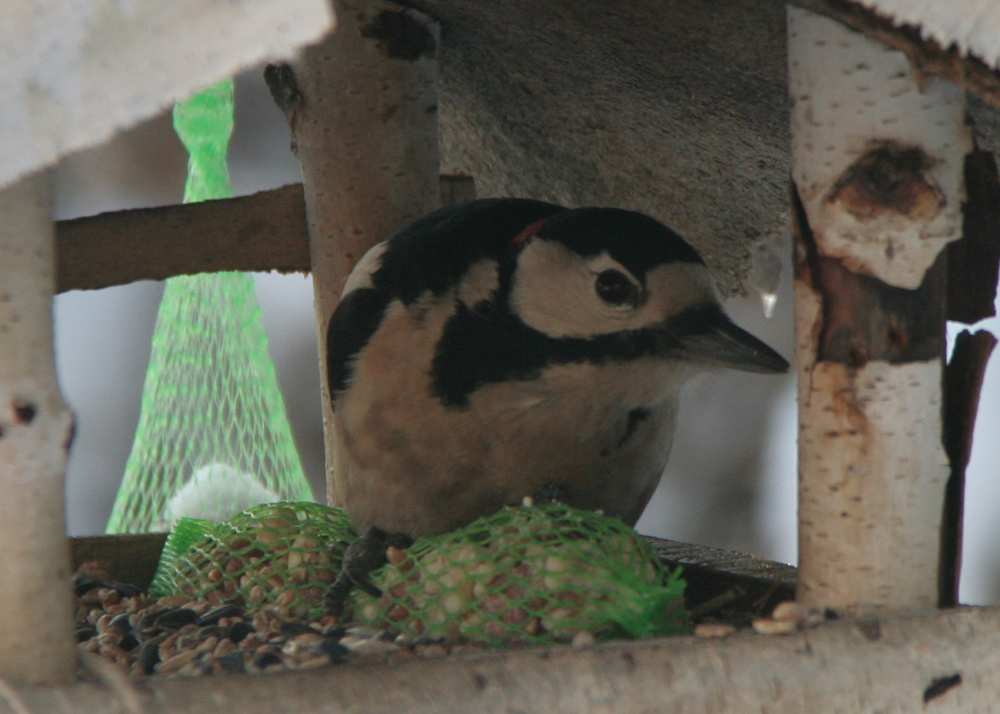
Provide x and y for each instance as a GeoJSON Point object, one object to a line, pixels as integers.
{"type": "Point", "coordinates": [973, 266]}
{"type": "Point", "coordinates": [963, 380]}
{"type": "Point", "coordinates": [878, 153]}
{"type": "Point", "coordinates": [973, 261]}
{"type": "Point", "coordinates": [362, 109]}
{"type": "Point", "coordinates": [36, 644]}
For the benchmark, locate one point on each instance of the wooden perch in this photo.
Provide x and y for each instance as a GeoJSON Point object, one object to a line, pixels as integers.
{"type": "Point", "coordinates": [36, 428]}
{"type": "Point", "coordinates": [258, 233]}
{"type": "Point", "coordinates": [265, 231]}
{"type": "Point", "coordinates": [940, 662]}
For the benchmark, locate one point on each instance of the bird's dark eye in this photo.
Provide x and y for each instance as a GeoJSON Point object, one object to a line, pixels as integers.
{"type": "Point", "coordinates": [615, 289]}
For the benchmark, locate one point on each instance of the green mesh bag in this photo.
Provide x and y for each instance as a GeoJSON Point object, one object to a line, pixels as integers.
{"type": "Point", "coordinates": [213, 437]}
{"type": "Point", "coordinates": [528, 575]}
{"type": "Point", "coordinates": [280, 555]}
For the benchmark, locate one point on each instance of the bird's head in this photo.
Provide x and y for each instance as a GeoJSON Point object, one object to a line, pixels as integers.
{"type": "Point", "coordinates": [626, 282]}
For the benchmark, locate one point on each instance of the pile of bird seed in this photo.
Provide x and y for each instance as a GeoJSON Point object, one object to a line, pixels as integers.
{"type": "Point", "coordinates": [245, 595]}
{"type": "Point", "coordinates": [175, 636]}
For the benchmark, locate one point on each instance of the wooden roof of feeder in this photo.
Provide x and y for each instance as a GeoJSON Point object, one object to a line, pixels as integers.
{"type": "Point", "coordinates": [75, 73]}
{"type": "Point", "coordinates": [673, 109]}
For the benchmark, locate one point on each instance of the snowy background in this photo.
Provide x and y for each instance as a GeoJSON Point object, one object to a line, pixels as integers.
{"type": "Point", "coordinates": [731, 478]}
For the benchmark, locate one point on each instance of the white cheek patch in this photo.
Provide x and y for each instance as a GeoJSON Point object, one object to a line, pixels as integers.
{"type": "Point", "coordinates": [361, 276]}
{"type": "Point", "coordinates": [480, 282]}
{"type": "Point", "coordinates": [675, 287]}
{"type": "Point", "coordinates": [554, 292]}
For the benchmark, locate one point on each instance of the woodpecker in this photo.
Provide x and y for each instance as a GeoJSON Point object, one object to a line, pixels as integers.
{"type": "Point", "coordinates": [498, 348]}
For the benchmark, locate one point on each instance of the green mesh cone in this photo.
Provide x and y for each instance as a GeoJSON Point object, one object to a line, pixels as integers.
{"type": "Point", "coordinates": [527, 575]}
{"type": "Point", "coordinates": [213, 437]}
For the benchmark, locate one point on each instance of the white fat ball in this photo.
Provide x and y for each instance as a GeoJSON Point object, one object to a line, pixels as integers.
{"type": "Point", "coordinates": [217, 492]}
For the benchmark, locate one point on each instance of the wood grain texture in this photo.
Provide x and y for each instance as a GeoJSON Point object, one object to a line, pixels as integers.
{"type": "Point", "coordinates": [129, 559]}
{"type": "Point", "coordinates": [944, 661]}
{"type": "Point", "coordinates": [878, 157]}
{"type": "Point", "coordinates": [362, 109]}
{"type": "Point", "coordinates": [265, 231]}
{"type": "Point", "coordinates": [36, 428]}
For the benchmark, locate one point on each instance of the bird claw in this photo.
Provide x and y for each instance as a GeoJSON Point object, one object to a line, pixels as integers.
{"type": "Point", "coordinates": [361, 558]}
{"type": "Point", "coordinates": [364, 582]}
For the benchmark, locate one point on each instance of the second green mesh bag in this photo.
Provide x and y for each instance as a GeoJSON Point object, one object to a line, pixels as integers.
{"type": "Point", "coordinates": [213, 438]}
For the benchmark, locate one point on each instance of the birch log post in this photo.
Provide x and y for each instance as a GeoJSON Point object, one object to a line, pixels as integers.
{"type": "Point", "coordinates": [362, 109]}
{"type": "Point", "coordinates": [877, 160]}
{"type": "Point", "coordinates": [36, 642]}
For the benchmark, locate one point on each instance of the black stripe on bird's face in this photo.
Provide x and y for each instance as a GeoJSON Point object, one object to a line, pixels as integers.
{"type": "Point", "coordinates": [488, 345]}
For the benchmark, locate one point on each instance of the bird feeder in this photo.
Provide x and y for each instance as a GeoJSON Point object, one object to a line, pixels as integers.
{"type": "Point", "coordinates": [676, 110]}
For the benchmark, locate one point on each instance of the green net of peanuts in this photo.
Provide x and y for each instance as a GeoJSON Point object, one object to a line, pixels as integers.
{"type": "Point", "coordinates": [283, 555]}
{"type": "Point", "coordinates": [528, 575]}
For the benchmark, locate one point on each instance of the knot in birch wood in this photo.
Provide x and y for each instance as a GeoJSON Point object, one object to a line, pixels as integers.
{"type": "Point", "coordinates": [24, 411]}
{"type": "Point", "coordinates": [890, 178]}
{"type": "Point", "coordinates": [860, 317]}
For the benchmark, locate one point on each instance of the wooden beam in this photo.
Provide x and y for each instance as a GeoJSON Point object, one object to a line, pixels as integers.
{"type": "Point", "coordinates": [265, 231]}
{"type": "Point", "coordinates": [944, 661]}
{"type": "Point", "coordinates": [131, 558]}
{"type": "Point", "coordinates": [258, 233]}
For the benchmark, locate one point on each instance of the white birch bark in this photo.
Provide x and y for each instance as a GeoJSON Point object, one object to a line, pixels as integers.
{"type": "Point", "coordinates": [872, 467]}
{"type": "Point", "coordinates": [36, 643]}
{"type": "Point", "coordinates": [366, 135]}
{"type": "Point", "coordinates": [848, 93]}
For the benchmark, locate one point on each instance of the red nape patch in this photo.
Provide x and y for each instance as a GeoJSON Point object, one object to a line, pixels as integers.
{"type": "Point", "coordinates": [524, 235]}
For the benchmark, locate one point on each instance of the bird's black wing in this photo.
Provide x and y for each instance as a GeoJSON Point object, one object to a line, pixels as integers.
{"type": "Point", "coordinates": [431, 254]}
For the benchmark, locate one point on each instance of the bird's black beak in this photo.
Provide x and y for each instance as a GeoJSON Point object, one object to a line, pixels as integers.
{"type": "Point", "coordinates": [707, 335]}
